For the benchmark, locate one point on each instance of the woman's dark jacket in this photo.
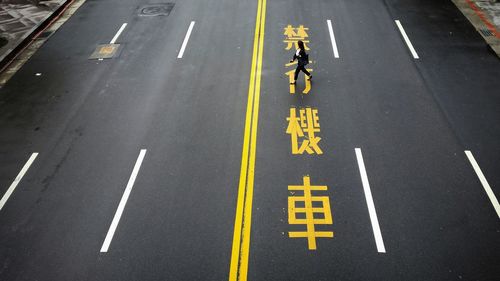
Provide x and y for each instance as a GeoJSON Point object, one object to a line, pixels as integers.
{"type": "Point", "coordinates": [302, 58]}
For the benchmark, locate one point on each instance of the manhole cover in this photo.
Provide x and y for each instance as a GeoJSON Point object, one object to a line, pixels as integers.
{"type": "Point", "coordinates": [156, 10]}
{"type": "Point", "coordinates": [105, 51]}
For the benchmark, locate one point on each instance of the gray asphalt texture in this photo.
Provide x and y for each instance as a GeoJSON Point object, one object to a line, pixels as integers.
{"type": "Point", "coordinates": [413, 119]}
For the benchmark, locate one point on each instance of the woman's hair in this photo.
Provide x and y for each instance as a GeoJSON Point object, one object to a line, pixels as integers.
{"type": "Point", "coordinates": [301, 45]}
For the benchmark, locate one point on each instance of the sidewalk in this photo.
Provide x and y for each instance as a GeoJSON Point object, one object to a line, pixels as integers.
{"type": "Point", "coordinates": [22, 19]}
{"type": "Point", "coordinates": [484, 15]}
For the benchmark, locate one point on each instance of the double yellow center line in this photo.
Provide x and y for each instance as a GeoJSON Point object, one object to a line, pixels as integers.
{"type": "Point", "coordinates": [242, 223]}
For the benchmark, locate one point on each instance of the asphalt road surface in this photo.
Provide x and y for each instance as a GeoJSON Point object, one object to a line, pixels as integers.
{"type": "Point", "coordinates": [186, 156]}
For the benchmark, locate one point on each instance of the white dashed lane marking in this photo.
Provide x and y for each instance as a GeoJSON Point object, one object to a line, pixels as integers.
{"type": "Point", "coordinates": [14, 184]}
{"type": "Point", "coordinates": [186, 39]}
{"type": "Point", "coordinates": [484, 182]}
{"type": "Point", "coordinates": [123, 202]}
{"type": "Point", "coordinates": [369, 202]}
{"type": "Point", "coordinates": [113, 41]}
{"type": "Point", "coordinates": [407, 40]}
{"type": "Point", "coordinates": [332, 38]}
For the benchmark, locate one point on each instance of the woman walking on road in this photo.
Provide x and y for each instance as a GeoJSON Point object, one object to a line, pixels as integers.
{"type": "Point", "coordinates": [303, 59]}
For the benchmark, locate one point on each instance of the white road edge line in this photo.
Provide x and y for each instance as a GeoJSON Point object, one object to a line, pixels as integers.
{"type": "Point", "coordinates": [369, 202]}
{"type": "Point", "coordinates": [14, 184]}
{"type": "Point", "coordinates": [123, 202]}
{"type": "Point", "coordinates": [118, 33]}
{"type": "Point", "coordinates": [407, 40]}
{"type": "Point", "coordinates": [332, 37]}
{"type": "Point", "coordinates": [484, 182]}
{"type": "Point", "coordinates": [186, 39]}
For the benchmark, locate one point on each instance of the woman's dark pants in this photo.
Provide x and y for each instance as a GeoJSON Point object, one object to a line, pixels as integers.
{"type": "Point", "coordinates": [298, 69]}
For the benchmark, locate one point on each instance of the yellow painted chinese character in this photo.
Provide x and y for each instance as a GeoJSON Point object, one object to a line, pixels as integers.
{"type": "Point", "coordinates": [309, 211]}
{"type": "Point", "coordinates": [306, 125]}
{"type": "Point", "coordinates": [291, 78]}
{"type": "Point", "coordinates": [294, 34]}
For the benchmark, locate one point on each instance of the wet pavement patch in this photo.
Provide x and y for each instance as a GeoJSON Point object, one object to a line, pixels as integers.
{"type": "Point", "coordinates": [156, 10]}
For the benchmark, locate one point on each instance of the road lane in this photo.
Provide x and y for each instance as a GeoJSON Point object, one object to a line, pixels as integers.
{"type": "Point", "coordinates": [460, 72]}
{"type": "Point", "coordinates": [101, 113]}
{"type": "Point", "coordinates": [88, 119]}
{"type": "Point", "coordinates": [190, 181]}
{"type": "Point", "coordinates": [181, 225]}
{"type": "Point", "coordinates": [373, 97]}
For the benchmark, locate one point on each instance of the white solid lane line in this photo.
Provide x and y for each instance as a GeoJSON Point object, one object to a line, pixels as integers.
{"type": "Point", "coordinates": [369, 202]}
{"type": "Point", "coordinates": [123, 202]}
{"type": "Point", "coordinates": [113, 41]}
{"type": "Point", "coordinates": [14, 184]}
{"type": "Point", "coordinates": [332, 37]}
{"type": "Point", "coordinates": [407, 40]}
{"type": "Point", "coordinates": [484, 182]}
{"type": "Point", "coordinates": [186, 39]}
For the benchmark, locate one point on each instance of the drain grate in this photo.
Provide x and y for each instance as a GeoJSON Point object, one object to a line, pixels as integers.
{"type": "Point", "coordinates": [486, 32]}
{"type": "Point", "coordinates": [156, 10]}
